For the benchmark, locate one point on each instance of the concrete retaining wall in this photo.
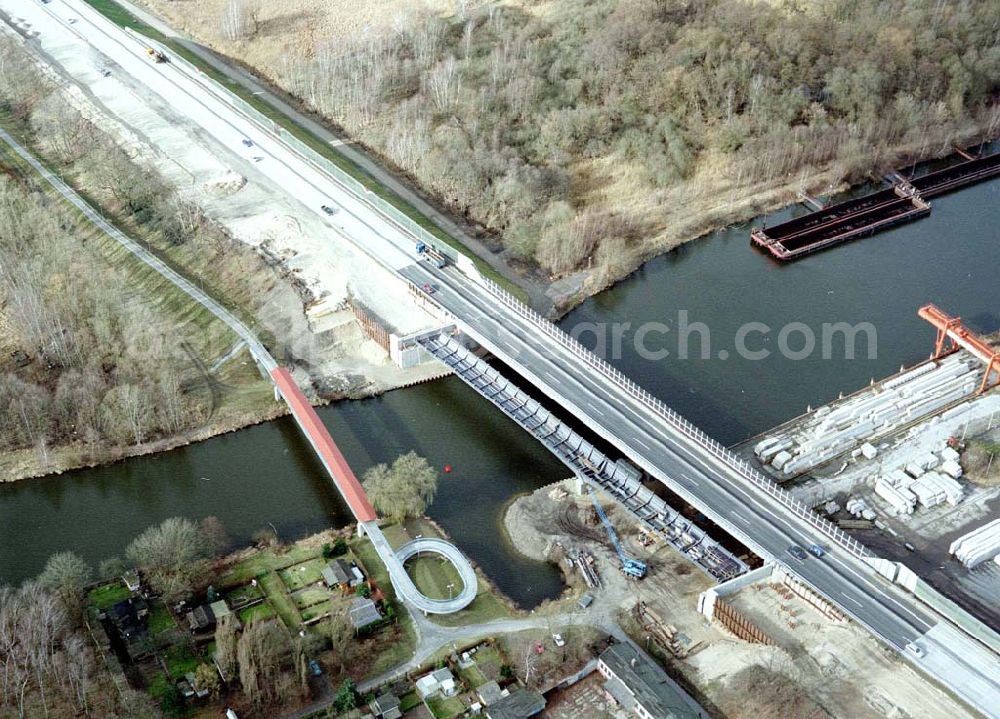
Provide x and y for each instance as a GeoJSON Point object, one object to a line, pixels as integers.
{"type": "Point", "coordinates": [706, 600]}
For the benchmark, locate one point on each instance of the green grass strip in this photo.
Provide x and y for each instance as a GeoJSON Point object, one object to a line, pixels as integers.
{"type": "Point", "coordinates": [120, 16]}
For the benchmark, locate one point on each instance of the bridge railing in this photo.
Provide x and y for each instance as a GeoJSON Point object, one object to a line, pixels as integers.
{"type": "Point", "coordinates": [740, 466]}
{"type": "Point", "coordinates": [405, 223]}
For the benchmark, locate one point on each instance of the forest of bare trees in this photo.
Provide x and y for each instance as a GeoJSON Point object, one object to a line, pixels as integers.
{"type": "Point", "coordinates": [574, 128]}
{"type": "Point", "coordinates": [48, 666]}
{"type": "Point", "coordinates": [96, 353]}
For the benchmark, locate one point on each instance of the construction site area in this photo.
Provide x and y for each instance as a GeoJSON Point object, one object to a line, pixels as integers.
{"type": "Point", "coordinates": [758, 645]}
{"type": "Point", "coordinates": [907, 464]}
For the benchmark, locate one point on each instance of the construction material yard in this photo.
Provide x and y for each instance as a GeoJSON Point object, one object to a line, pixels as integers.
{"type": "Point", "coordinates": [813, 666]}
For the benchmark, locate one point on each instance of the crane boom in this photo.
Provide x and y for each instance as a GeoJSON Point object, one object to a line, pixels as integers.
{"type": "Point", "coordinates": [630, 565]}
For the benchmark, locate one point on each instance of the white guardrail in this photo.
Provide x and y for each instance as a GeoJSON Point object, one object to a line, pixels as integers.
{"type": "Point", "coordinates": [408, 225]}
{"type": "Point", "coordinates": [741, 466]}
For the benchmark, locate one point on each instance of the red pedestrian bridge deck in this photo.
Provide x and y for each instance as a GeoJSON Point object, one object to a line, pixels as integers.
{"type": "Point", "coordinates": [314, 430]}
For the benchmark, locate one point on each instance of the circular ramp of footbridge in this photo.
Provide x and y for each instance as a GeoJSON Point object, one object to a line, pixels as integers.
{"type": "Point", "coordinates": [447, 550]}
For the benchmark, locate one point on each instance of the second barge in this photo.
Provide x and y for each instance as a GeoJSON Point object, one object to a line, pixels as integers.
{"type": "Point", "coordinates": [905, 201]}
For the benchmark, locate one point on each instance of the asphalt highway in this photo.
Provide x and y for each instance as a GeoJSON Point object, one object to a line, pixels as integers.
{"type": "Point", "coordinates": [749, 513]}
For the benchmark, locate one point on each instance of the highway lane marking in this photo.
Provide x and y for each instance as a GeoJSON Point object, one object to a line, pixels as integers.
{"type": "Point", "coordinates": [293, 169]}
{"type": "Point", "coordinates": [852, 599]}
{"type": "Point", "coordinates": [740, 517]}
{"type": "Point", "coordinates": [595, 409]}
{"type": "Point", "coordinates": [639, 441]}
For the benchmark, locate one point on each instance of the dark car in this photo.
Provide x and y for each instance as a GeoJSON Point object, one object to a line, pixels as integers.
{"type": "Point", "coordinates": [247, 143]}
{"type": "Point", "coordinates": [315, 668]}
{"type": "Point", "coordinates": [796, 551]}
{"type": "Point", "coordinates": [328, 210]}
{"type": "Point", "coordinates": [816, 550]}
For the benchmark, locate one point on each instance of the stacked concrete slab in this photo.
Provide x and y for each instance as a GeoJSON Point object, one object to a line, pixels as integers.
{"type": "Point", "coordinates": [901, 499]}
{"type": "Point", "coordinates": [978, 545]}
{"type": "Point", "coordinates": [928, 479]}
{"type": "Point", "coordinates": [849, 424]}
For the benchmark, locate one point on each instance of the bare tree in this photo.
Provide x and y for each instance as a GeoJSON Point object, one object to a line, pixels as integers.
{"type": "Point", "coordinates": [172, 553]}
{"type": "Point", "coordinates": [135, 408]}
{"type": "Point", "coordinates": [240, 20]}
{"type": "Point", "coordinates": [66, 574]}
{"type": "Point", "coordinates": [341, 633]}
{"type": "Point", "coordinates": [444, 83]}
{"type": "Point", "coordinates": [226, 640]}
{"type": "Point", "coordinates": [262, 649]}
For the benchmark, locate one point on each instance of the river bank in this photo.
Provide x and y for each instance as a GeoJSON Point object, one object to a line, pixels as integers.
{"type": "Point", "coordinates": [712, 196]}
{"type": "Point", "coordinates": [169, 340]}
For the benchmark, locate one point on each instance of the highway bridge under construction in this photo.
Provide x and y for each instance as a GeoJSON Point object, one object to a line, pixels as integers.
{"type": "Point", "coordinates": [905, 201]}
{"type": "Point", "coordinates": [641, 428]}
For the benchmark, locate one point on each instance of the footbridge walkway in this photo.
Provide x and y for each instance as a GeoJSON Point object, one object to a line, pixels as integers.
{"type": "Point", "coordinates": [357, 500]}
{"type": "Point", "coordinates": [314, 430]}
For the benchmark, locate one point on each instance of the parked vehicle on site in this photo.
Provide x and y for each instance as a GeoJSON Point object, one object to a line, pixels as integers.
{"type": "Point", "coordinates": [796, 551]}
{"type": "Point", "coordinates": [816, 550]}
{"type": "Point", "coordinates": [247, 142]}
{"type": "Point", "coordinates": [916, 650]}
{"type": "Point", "coordinates": [156, 55]}
{"type": "Point", "coordinates": [557, 638]}
{"type": "Point", "coordinates": [315, 668]}
{"type": "Point", "coordinates": [328, 210]}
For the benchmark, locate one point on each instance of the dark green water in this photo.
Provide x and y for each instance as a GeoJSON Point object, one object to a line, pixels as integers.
{"type": "Point", "coordinates": [267, 474]}
{"type": "Point", "coordinates": [951, 258]}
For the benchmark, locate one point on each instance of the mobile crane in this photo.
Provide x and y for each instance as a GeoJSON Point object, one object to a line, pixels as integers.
{"type": "Point", "coordinates": [631, 566]}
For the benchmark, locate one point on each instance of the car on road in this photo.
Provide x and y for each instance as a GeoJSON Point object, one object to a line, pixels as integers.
{"type": "Point", "coordinates": [558, 639]}
{"type": "Point", "coordinates": [816, 550]}
{"type": "Point", "coordinates": [247, 142]}
{"type": "Point", "coordinates": [429, 288]}
{"type": "Point", "coordinates": [796, 551]}
{"type": "Point", "coordinates": [328, 210]}
{"type": "Point", "coordinates": [916, 650]}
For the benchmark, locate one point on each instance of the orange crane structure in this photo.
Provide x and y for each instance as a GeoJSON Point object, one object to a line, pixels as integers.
{"type": "Point", "coordinates": [952, 334]}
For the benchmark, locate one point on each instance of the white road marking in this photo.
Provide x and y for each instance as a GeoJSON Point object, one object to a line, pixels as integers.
{"type": "Point", "coordinates": [851, 599]}
{"type": "Point", "coordinates": [739, 517]}
{"type": "Point", "coordinates": [592, 407]}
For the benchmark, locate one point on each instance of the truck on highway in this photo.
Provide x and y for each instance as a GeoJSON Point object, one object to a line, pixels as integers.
{"type": "Point", "coordinates": [432, 255]}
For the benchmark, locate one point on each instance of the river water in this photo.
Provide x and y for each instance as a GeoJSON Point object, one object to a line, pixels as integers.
{"type": "Point", "coordinates": [267, 474]}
